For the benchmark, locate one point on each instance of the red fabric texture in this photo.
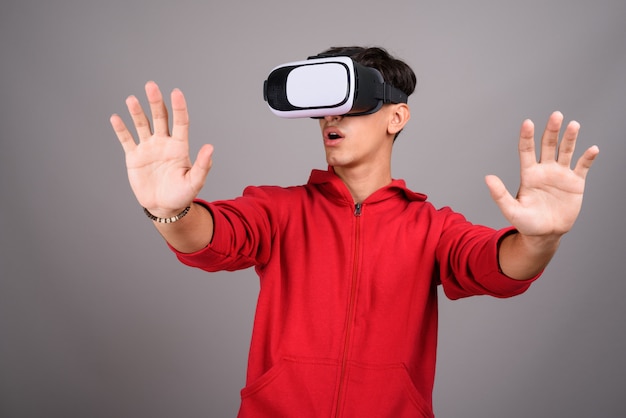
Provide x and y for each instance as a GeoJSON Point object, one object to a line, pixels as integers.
{"type": "Point", "coordinates": [346, 320]}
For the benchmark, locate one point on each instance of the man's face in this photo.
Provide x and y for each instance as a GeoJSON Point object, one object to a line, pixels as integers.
{"type": "Point", "coordinates": [352, 141]}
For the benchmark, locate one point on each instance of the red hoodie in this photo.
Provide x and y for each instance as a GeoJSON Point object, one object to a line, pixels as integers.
{"type": "Point", "coordinates": [346, 321]}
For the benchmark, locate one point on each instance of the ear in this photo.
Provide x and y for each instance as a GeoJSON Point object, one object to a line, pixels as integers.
{"type": "Point", "coordinates": [400, 115]}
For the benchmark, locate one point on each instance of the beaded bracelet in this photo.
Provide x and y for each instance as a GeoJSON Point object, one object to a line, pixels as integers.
{"type": "Point", "coordinates": [167, 220]}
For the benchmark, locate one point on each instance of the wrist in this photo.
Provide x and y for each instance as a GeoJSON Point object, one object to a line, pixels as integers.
{"type": "Point", "coordinates": [538, 243]}
{"type": "Point", "coordinates": [522, 257]}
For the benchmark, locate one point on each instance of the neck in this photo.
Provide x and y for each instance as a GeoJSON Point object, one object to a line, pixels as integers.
{"type": "Point", "coordinates": [363, 181]}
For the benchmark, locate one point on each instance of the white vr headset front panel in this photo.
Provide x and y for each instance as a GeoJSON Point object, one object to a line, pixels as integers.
{"type": "Point", "coordinates": [316, 87]}
{"type": "Point", "coordinates": [331, 80]}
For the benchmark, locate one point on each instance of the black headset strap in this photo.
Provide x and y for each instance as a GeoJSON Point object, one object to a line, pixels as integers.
{"type": "Point", "coordinates": [391, 94]}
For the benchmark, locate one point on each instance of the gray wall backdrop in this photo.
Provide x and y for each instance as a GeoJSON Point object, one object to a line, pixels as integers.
{"type": "Point", "coordinates": [98, 319]}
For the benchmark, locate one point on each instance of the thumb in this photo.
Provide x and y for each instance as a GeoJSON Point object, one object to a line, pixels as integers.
{"type": "Point", "coordinates": [500, 194]}
{"type": "Point", "coordinates": [201, 166]}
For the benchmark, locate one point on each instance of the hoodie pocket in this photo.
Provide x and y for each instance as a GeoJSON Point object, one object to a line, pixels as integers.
{"type": "Point", "coordinates": [383, 391]}
{"type": "Point", "coordinates": [293, 387]}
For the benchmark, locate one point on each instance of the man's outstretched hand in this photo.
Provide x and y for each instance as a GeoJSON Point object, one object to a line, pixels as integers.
{"type": "Point", "coordinates": [160, 170]}
{"type": "Point", "coordinates": [551, 192]}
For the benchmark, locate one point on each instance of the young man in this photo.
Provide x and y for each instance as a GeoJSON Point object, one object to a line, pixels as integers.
{"type": "Point", "coordinates": [349, 263]}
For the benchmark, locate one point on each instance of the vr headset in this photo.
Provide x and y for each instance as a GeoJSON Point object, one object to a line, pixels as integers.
{"type": "Point", "coordinates": [327, 86]}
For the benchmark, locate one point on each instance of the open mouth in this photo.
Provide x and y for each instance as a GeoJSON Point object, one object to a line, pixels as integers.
{"type": "Point", "coordinates": [332, 134]}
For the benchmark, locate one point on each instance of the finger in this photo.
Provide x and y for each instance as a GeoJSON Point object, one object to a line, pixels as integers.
{"type": "Point", "coordinates": [201, 167]}
{"type": "Point", "coordinates": [141, 122]}
{"type": "Point", "coordinates": [568, 144]}
{"type": "Point", "coordinates": [585, 162]}
{"type": "Point", "coordinates": [180, 128]}
{"type": "Point", "coordinates": [526, 146]}
{"type": "Point", "coordinates": [123, 135]}
{"type": "Point", "coordinates": [550, 137]}
{"type": "Point", "coordinates": [158, 109]}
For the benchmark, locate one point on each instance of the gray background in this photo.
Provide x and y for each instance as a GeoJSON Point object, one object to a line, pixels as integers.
{"type": "Point", "coordinates": [98, 319]}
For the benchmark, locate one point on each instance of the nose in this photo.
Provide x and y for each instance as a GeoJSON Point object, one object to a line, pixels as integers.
{"type": "Point", "coordinates": [332, 118]}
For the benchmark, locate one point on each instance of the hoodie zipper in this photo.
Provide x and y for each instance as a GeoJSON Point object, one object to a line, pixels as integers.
{"type": "Point", "coordinates": [358, 207]}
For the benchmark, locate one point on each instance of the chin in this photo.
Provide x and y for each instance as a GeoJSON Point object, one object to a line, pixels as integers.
{"type": "Point", "coordinates": [335, 162]}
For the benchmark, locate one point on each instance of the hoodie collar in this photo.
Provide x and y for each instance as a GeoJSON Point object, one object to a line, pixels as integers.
{"type": "Point", "coordinates": [335, 188]}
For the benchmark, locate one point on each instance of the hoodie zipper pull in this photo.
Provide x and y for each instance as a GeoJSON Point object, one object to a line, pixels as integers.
{"type": "Point", "coordinates": [357, 209]}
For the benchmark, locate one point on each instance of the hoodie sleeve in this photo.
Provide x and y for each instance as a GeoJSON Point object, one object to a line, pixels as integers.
{"type": "Point", "coordinates": [241, 236]}
{"type": "Point", "coordinates": [468, 261]}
